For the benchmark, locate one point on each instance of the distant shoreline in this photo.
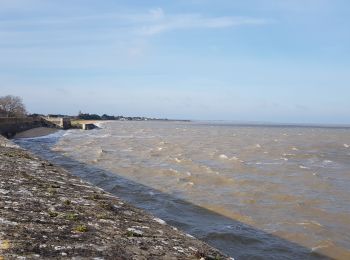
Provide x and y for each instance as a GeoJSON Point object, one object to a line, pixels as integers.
{"type": "Point", "coordinates": [43, 131]}
{"type": "Point", "coordinates": [262, 124]}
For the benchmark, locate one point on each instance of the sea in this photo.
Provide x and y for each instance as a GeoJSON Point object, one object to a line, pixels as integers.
{"type": "Point", "coordinates": [252, 191]}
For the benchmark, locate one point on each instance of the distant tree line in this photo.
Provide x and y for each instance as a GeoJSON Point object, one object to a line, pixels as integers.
{"type": "Point", "coordinates": [12, 106]}
{"type": "Point", "coordinates": [86, 116]}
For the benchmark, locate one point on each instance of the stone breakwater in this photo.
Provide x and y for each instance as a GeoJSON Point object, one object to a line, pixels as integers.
{"type": "Point", "coordinates": [45, 212]}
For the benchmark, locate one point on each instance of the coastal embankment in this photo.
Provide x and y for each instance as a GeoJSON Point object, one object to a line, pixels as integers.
{"type": "Point", "coordinates": [14, 126]}
{"type": "Point", "coordinates": [9, 126]}
{"type": "Point", "coordinates": [45, 212]}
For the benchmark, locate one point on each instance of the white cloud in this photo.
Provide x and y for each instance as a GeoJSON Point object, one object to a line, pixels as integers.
{"type": "Point", "coordinates": [164, 22]}
{"type": "Point", "coordinates": [153, 22]}
{"type": "Point", "coordinates": [95, 39]}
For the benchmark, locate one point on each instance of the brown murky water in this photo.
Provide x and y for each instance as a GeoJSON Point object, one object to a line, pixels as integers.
{"type": "Point", "coordinates": [291, 182]}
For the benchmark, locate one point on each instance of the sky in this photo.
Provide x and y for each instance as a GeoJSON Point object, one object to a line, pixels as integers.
{"type": "Point", "coordinates": [285, 61]}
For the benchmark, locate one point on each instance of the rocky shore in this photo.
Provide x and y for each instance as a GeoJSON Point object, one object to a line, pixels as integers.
{"type": "Point", "coordinates": [45, 212]}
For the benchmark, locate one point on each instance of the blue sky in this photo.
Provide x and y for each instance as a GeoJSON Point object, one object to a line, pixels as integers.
{"type": "Point", "coordinates": [251, 60]}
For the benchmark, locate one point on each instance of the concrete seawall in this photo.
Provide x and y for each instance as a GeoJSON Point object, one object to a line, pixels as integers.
{"type": "Point", "coordinates": [9, 126]}
{"type": "Point", "coordinates": [45, 212]}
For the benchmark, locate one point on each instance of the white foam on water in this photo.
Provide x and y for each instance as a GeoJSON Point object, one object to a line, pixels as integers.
{"type": "Point", "coordinates": [257, 146]}
{"type": "Point", "coordinates": [127, 150]}
{"type": "Point", "coordinates": [160, 221]}
{"type": "Point", "coordinates": [312, 222]}
{"type": "Point", "coordinates": [316, 223]}
{"type": "Point", "coordinates": [103, 136]}
{"type": "Point", "coordinates": [223, 156]}
{"type": "Point", "coordinates": [173, 170]}
{"type": "Point", "coordinates": [324, 244]}
{"type": "Point", "coordinates": [123, 136]}
{"type": "Point", "coordinates": [303, 167]}
{"type": "Point", "coordinates": [288, 154]}
{"type": "Point", "coordinates": [346, 145]}
{"type": "Point", "coordinates": [313, 249]}
{"type": "Point", "coordinates": [57, 149]}
{"type": "Point", "coordinates": [99, 124]}
{"type": "Point", "coordinates": [295, 149]}
{"type": "Point", "coordinates": [268, 163]}
{"type": "Point", "coordinates": [177, 160]}
{"type": "Point", "coordinates": [68, 132]}
{"type": "Point", "coordinates": [53, 135]}
{"type": "Point", "coordinates": [327, 162]}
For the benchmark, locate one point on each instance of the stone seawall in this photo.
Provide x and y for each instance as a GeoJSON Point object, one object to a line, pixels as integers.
{"type": "Point", "coordinates": [9, 126]}
{"type": "Point", "coordinates": [45, 212]}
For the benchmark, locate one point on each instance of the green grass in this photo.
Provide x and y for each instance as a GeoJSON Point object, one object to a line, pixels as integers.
{"type": "Point", "coordinates": [81, 228]}
{"type": "Point", "coordinates": [72, 216]}
{"type": "Point", "coordinates": [53, 214]}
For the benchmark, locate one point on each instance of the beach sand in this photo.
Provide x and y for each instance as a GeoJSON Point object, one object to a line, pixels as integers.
{"type": "Point", "coordinates": [36, 132]}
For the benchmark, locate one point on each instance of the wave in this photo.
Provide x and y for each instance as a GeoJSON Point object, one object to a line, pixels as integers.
{"type": "Point", "coordinates": [223, 156]}
{"type": "Point", "coordinates": [124, 136]}
{"type": "Point", "coordinates": [233, 158]}
{"type": "Point", "coordinates": [177, 160]}
{"type": "Point", "coordinates": [103, 136]}
{"type": "Point", "coordinates": [327, 162]}
{"type": "Point", "coordinates": [210, 172]}
{"type": "Point", "coordinates": [54, 135]}
{"type": "Point", "coordinates": [100, 124]}
{"type": "Point", "coordinates": [268, 163]}
{"type": "Point", "coordinates": [288, 154]}
{"type": "Point", "coordinates": [311, 222]}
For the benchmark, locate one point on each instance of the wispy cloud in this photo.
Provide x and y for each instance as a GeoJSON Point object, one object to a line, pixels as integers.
{"type": "Point", "coordinates": [159, 22]}
{"type": "Point", "coordinates": [152, 22]}
{"type": "Point", "coordinates": [96, 37]}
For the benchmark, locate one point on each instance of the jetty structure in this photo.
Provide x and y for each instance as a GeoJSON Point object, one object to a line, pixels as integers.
{"type": "Point", "coordinates": [47, 213]}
